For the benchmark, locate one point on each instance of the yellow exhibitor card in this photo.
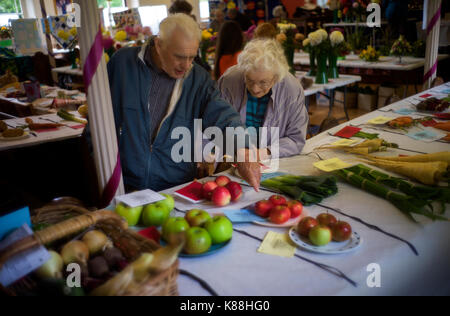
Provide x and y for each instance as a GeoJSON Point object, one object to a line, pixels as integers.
{"type": "Point", "coordinates": [380, 120]}
{"type": "Point", "coordinates": [330, 165]}
{"type": "Point", "coordinates": [345, 142]}
{"type": "Point", "coordinates": [277, 244]}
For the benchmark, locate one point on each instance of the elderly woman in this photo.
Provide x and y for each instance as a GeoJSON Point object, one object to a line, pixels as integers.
{"type": "Point", "coordinates": [265, 94]}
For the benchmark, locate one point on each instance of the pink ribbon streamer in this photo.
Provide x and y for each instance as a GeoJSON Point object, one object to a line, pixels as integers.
{"type": "Point", "coordinates": [90, 67]}
{"type": "Point", "coordinates": [430, 27]}
{"type": "Point", "coordinates": [434, 20]}
{"type": "Point", "coordinates": [430, 72]}
{"type": "Point", "coordinates": [111, 187]}
{"type": "Point", "coordinates": [93, 59]}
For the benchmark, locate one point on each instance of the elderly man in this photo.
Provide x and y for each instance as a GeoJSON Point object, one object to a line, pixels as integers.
{"type": "Point", "coordinates": [155, 89]}
{"type": "Point", "coordinates": [219, 18]}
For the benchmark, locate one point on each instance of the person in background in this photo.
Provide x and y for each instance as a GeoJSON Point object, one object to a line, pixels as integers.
{"type": "Point", "coordinates": [229, 45]}
{"type": "Point", "coordinates": [265, 94]}
{"type": "Point", "coordinates": [157, 88]}
{"type": "Point", "coordinates": [397, 16]}
{"type": "Point", "coordinates": [219, 19]}
{"type": "Point", "coordinates": [180, 6]}
{"type": "Point", "coordinates": [265, 30]}
{"type": "Point", "coordinates": [242, 19]}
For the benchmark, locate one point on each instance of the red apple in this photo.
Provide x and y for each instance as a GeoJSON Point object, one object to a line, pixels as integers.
{"type": "Point", "coordinates": [296, 208]}
{"type": "Point", "coordinates": [235, 190]}
{"type": "Point", "coordinates": [320, 235]}
{"type": "Point", "coordinates": [221, 196]}
{"type": "Point", "coordinates": [305, 225]}
{"type": "Point", "coordinates": [263, 207]}
{"type": "Point", "coordinates": [280, 214]}
{"type": "Point", "coordinates": [277, 200]}
{"type": "Point", "coordinates": [326, 219]}
{"type": "Point", "coordinates": [208, 189]}
{"type": "Point", "coordinates": [341, 231]}
{"type": "Point", "coordinates": [222, 181]}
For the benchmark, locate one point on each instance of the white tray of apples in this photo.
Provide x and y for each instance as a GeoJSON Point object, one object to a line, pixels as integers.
{"type": "Point", "coordinates": [325, 234]}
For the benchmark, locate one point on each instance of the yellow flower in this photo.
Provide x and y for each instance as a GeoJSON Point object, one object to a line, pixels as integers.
{"type": "Point", "coordinates": [121, 36]}
{"type": "Point", "coordinates": [306, 42]}
{"type": "Point", "coordinates": [106, 57]}
{"type": "Point", "coordinates": [73, 31]}
{"type": "Point", "coordinates": [299, 37]}
{"type": "Point", "coordinates": [206, 35]}
{"type": "Point", "coordinates": [336, 38]}
{"type": "Point", "coordinates": [63, 35]}
{"type": "Point", "coordinates": [281, 38]}
{"type": "Point", "coordinates": [3, 28]}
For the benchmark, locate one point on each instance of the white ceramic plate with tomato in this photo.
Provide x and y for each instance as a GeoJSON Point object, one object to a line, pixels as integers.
{"type": "Point", "coordinates": [332, 248]}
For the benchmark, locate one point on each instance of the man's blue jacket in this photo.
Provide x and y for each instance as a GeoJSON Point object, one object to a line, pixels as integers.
{"type": "Point", "coordinates": [147, 165]}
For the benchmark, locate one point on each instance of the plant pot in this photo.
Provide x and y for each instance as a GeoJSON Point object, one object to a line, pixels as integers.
{"type": "Point", "coordinates": [312, 64]}
{"type": "Point", "coordinates": [321, 76]}
{"type": "Point", "coordinates": [333, 72]}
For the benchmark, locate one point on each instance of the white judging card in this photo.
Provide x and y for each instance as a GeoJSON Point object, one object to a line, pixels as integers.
{"type": "Point", "coordinates": [139, 198]}
{"type": "Point", "coordinates": [20, 265]}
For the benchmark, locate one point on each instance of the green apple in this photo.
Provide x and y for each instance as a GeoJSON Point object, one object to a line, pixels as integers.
{"type": "Point", "coordinates": [197, 217]}
{"type": "Point", "coordinates": [220, 229]}
{"type": "Point", "coordinates": [155, 214]}
{"type": "Point", "coordinates": [320, 235]}
{"type": "Point", "coordinates": [198, 240]}
{"type": "Point", "coordinates": [169, 202]}
{"type": "Point", "coordinates": [131, 214]}
{"type": "Point", "coordinates": [174, 225]}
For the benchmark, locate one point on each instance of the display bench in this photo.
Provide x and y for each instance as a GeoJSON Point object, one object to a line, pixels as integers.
{"type": "Point", "coordinates": [239, 269]}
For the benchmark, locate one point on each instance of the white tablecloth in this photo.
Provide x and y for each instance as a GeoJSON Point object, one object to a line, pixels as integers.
{"type": "Point", "coordinates": [385, 62]}
{"type": "Point", "coordinates": [238, 269]}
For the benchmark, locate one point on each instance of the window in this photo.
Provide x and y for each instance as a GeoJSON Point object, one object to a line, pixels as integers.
{"type": "Point", "coordinates": [204, 10]}
{"type": "Point", "coordinates": [116, 6]}
{"type": "Point", "coordinates": [152, 16]}
{"type": "Point", "coordinates": [9, 10]}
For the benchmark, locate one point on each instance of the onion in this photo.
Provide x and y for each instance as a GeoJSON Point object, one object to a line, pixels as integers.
{"type": "Point", "coordinates": [52, 269]}
{"type": "Point", "coordinates": [96, 241]}
{"type": "Point", "coordinates": [75, 251]}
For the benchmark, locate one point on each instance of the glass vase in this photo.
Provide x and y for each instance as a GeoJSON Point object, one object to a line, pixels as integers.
{"type": "Point", "coordinates": [333, 72]}
{"type": "Point", "coordinates": [289, 53]}
{"type": "Point", "coordinates": [322, 76]}
{"type": "Point", "coordinates": [312, 64]}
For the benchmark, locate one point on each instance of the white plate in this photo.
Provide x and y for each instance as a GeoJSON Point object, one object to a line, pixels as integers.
{"type": "Point", "coordinates": [332, 248]}
{"type": "Point", "coordinates": [25, 135]}
{"type": "Point", "coordinates": [289, 223]}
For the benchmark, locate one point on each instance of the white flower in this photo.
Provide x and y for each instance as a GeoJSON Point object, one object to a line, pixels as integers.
{"type": "Point", "coordinates": [315, 38]}
{"type": "Point", "coordinates": [323, 33]}
{"type": "Point", "coordinates": [306, 42]}
{"type": "Point", "coordinates": [336, 38]}
{"type": "Point", "coordinates": [284, 27]}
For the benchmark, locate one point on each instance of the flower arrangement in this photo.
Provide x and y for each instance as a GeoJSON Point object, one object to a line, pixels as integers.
{"type": "Point", "coordinates": [370, 54]}
{"type": "Point", "coordinates": [207, 43]}
{"type": "Point", "coordinates": [5, 32]}
{"type": "Point", "coordinates": [401, 47]}
{"type": "Point", "coordinates": [290, 40]}
{"type": "Point", "coordinates": [337, 41]}
{"type": "Point", "coordinates": [351, 10]}
{"type": "Point", "coordinates": [318, 41]}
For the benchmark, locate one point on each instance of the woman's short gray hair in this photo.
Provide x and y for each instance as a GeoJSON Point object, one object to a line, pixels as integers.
{"type": "Point", "coordinates": [182, 22]}
{"type": "Point", "coordinates": [264, 55]}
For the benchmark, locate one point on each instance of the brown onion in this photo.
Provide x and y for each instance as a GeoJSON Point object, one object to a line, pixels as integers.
{"type": "Point", "coordinates": [96, 241]}
{"type": "Point", "coordinates": [75, 251]}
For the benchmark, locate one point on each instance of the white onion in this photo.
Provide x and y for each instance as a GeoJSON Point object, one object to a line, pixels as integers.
{"type": "Point", "coordinates": [52, 269]}
{"type": "Point", "coordinates": [96, 241]}
{"type": "Point", "coordinates": [75, 251]}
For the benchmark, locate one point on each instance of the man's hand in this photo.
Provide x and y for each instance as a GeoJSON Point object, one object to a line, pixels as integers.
{"type": "Point", "coordinates": [248, 167]}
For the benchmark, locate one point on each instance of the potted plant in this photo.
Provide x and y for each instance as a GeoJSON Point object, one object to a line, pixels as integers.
{"type": "Point", "coordinates": [290, 40]}
{"type": "Point", "coordinates": [337, 44]}
{"type": "Point", "coordinates": [320, 44]}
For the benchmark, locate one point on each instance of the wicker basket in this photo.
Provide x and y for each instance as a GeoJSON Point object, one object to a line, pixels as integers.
{"type": "Point", "coordinates": [67, 220]}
